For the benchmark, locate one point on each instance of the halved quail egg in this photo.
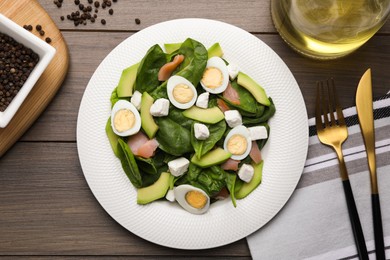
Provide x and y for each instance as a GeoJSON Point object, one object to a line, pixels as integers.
{"type": "Point", "coordinates": [125, 118]}
{"type": "Point", "coordinates": [192, 199]}
{"type": "Point", "coordinates": [181, 92]}
{"type": "Point", "coordinates": [238, 142]}
{"type": "Point", "coordinates": [216, 76]}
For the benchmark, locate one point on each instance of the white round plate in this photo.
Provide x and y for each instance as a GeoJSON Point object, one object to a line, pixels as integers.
{"type": "Point", "coordinates": [166, 223]}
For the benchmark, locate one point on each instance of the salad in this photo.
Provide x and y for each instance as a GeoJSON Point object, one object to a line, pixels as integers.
{"type": "Point", "coordinates": [188, 126]}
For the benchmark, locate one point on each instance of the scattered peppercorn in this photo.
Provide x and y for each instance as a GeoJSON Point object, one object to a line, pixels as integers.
{"type": "Point", "coordinates": [76, 2]}
{"type": "Point", "coordinates": [137, 21]}
{"type": "Point", "coordinates": [38, 27]}
{"type": "Point", "coordinates": [111, 11]}
{"type": "Point", "coordinates": [29, 27]}
{"type": "Point", "coordinates": [48, 39]}
{"type": "Point", "coordinates": [97, 4]}
{"type": "Point", "coordinates": [62, 18]}
{"type": "Point", "coordinates": [42, 32]}
{"type": "Point", "coordinates": [16, 63]}
{"type": "Point", "coordinates": [103, 21]}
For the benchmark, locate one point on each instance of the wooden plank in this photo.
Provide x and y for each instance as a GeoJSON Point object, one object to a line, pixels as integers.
{"type": "Point", "coordinates": [87, 57]}
{"type": "Point", "coordinates": [250, 15]}
{"type": "Point", "coordinates": [155, 11]}
{"type": "Point", "coordinates": [46, 208]}
{"type": "Point", "coordinates": [30, 12]}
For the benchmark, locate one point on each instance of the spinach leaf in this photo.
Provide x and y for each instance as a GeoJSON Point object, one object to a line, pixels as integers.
{"type": "Point", "coordinates": [191, 68]}
{"type": "Point", "coordinates": [195, 61]}
{"type": "Point", "coordinates": [230, 185]}
{"type": "Point", "coordinates": [201, 147]}
{"type": "Point", "coordinates": [262, 142]}
{"type": "Point", "coordinates": [172, 137]}
{"type": "Point", "coordinates": [129, 164]}
{"type": "Point", "coordinates": [177, 115]}
{"type": "Point", "coordinates": [114, 97]}
{"type": "Point", "coordinates": [153, 165]}
{"type": "Point", "coordinates": [211, 179]}
{"type": "Point", "coordinates": [268, 112]}
{"type": "Point", "coordinates": [248, 105]}
{"type": "Point", "coordinates": [147, 75]}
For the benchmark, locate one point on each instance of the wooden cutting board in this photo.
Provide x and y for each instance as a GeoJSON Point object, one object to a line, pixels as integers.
{"type": "Point", "coordinates": [25, 12]}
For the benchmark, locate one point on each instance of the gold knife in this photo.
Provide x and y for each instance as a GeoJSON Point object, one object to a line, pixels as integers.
{"type": "Point", "coordinates": [364, 107]}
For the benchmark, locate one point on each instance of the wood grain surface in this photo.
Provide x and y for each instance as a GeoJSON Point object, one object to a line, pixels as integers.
{"type": "Point", "coordinates": [29, 12]}
{"type": "Point", "coordinates": [46, 207]}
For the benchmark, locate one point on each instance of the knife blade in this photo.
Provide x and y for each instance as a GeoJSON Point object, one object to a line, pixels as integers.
{"type": "Point", "coordinates": [364, 107]}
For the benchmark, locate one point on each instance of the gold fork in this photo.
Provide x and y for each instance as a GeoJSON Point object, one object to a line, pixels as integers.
{"type": "Point", "coordinates": [333, 132]}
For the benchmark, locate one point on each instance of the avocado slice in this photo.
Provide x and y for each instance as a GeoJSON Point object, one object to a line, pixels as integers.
{"type": "Point", "coordinates": [254, 88]}
{"type": "Point", "coordinates": [247, 188]}
{"type": "Point", "coordinates": [205, 115]}
{"type": "Point", "coordinates": [127, 80]}
{"type": "Point", "coordinates": [147, 122]}
{"type": "Point", "coordinates": [171, 47]}
{"type": "Point", "coordinates": [112, 137]}
{"type": "Point", "coordinates": [155, 191]}
{"type": "Point", "coordinates": [215, 50]}
{"type": "Point", "coordinates": [214, 157]}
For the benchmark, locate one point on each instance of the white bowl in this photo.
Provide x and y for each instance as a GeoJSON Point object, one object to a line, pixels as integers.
{"type": "Point", "coordinates": [45, 52]}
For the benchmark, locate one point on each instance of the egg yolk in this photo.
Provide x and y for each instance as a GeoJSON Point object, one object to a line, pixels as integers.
{"type": "Point", "coordinates": [237, 144]}
{"type": "Point", "coordinates": [182, 93]}
{"type": "Point", "coordinates": [124, 120]}
{"type": "Point", "coordinates": [196, 199]}
{"type": "Point", "coordinates": [212, 77]}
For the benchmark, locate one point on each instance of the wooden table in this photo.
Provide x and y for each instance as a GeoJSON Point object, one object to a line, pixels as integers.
{"type": "Point", "coordinates": [46, 207]}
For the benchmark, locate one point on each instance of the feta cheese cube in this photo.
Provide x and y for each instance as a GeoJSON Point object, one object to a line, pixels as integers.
{"type": "Point", "coordinates": [246, 172]}
{"type": "Point", "coordinates": [136, 99]}
{"type": "Point", "coordinates": [201, 131]}
{"type": "Point", "coordinates": [258, 132]}
{"type": "Point", "coordinates": [203, 100]}
{"type": "Point", "coordinates": [178, 166]}
{"type": "Point", "coordinates": [160, 107]}
{"type": "Point", "coordinates": [170, 196]}
{"type": "Point", "coordinates": [233, 70]}
{"type": "Point", "coordinates": [233, 118]}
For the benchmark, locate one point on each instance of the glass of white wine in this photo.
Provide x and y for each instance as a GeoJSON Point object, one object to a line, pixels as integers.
{"type": "Point", "coordinates": [328, 29]}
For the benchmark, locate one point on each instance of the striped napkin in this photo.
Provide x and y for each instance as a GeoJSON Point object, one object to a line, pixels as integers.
{"type": "Point", "coordinates": [314, 224]}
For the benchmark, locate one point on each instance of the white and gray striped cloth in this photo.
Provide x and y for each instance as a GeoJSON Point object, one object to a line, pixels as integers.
{"type": "Point", "coordinates": [314, 224]}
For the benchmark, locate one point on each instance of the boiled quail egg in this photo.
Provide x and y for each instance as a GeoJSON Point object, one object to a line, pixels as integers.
{"type": "Point", "coordinates": [125, 118]}
{"type": "Point", "coordinates": [192, 199]}
{"type": "Point", "coordinates": [216, 76]}
{"type": "Point", "coordinates": [238, 142]}
{"type": "Point", "coordinates": [181, 92]}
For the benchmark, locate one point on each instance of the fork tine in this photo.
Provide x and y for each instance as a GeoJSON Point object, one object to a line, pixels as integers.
{"type": "Point", "coordinates": [318, 109]}
{"type": "Point", "coordinates": [340, 116]}
{"type": "Point", "coordinates": [324, 105]}
{"type": "Point", "coordinates": [331, 98]}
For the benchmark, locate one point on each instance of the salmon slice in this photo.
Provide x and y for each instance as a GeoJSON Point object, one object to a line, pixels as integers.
{"type": "Point", "coordinates": [223, 194]}
{"type": "Point", "coordinates": [136, 141]}
{"type": "Point", "coordinates": [231, 94]}
{"type": "Point", "coordinates": [255, 153]}
{"type": "Point", "coordinates": [222, 105]}
{"type": "Point", "coordinates": [140, 145]}
{"type": "Point", "coordinates": [148, 149]}
{"type": "Point", "coordinates": [230, 164]}
{"type": "Point", "coordinates": [166, 70]}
